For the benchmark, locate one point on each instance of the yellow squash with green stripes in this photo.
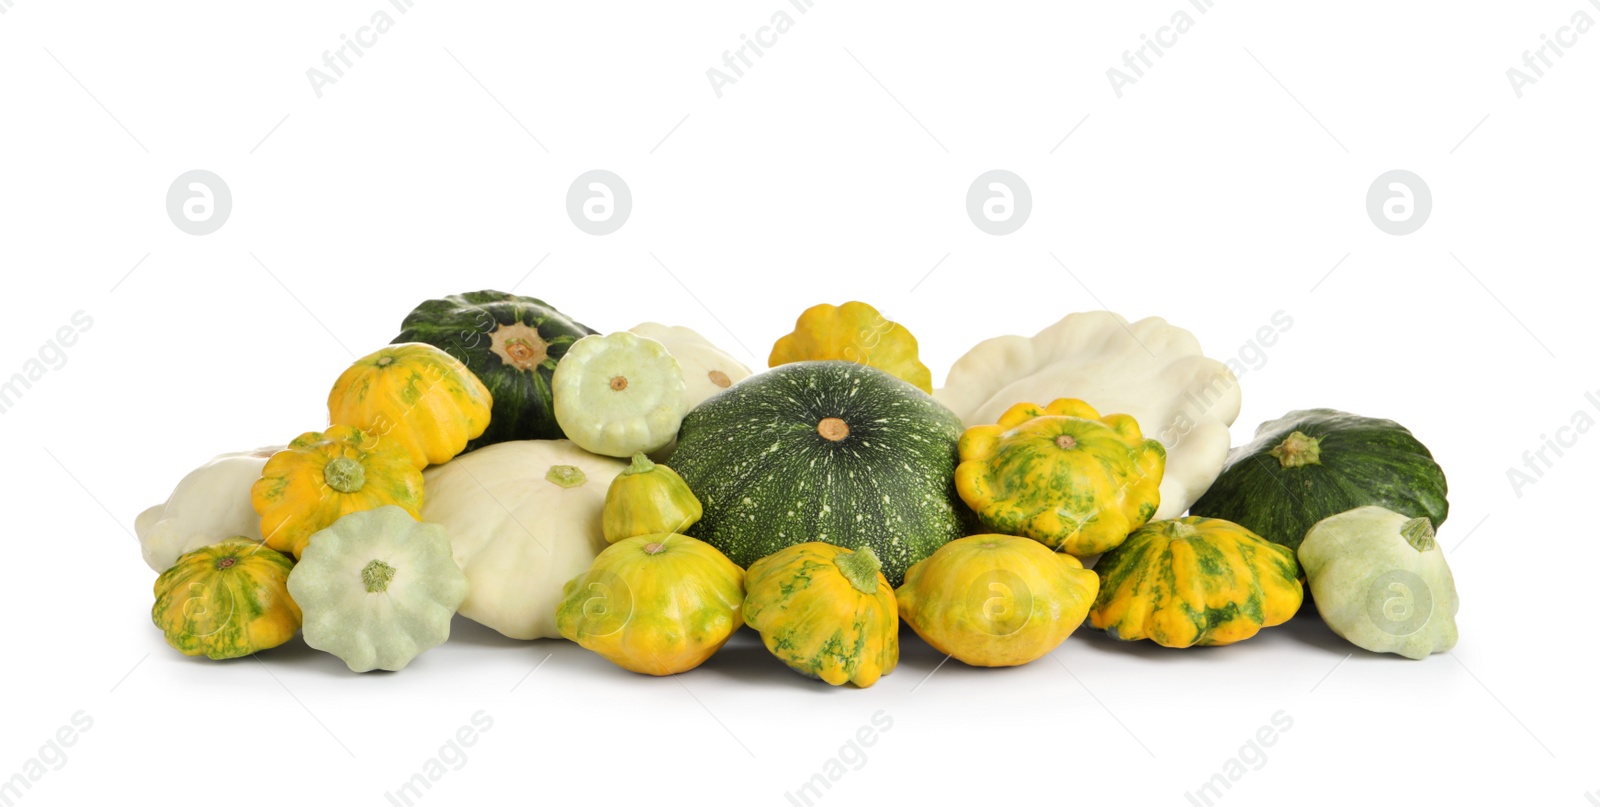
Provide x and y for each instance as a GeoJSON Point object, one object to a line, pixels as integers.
{"type": "Point", "coordinates": [416, 395]}
{"type": "Point", "coordinates": [1195, 581]}
{"type": "Point", "coordinates": [826, 611]}
{"type": "Point", "coordinates": [226, 600]}
{"type": "Point", "coordinates": [323, 476]}
{"type": "Point", "coordinates": [1062, 475]}
{"type": "Point", "coordinates": [648, 498]}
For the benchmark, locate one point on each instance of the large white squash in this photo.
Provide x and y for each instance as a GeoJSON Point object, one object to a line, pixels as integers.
{"type": "Point", "coordinates": [210, 504]}
{"type": "Point", "coordinates": [707, 369]}
{"type": "Point", "coordinates": [523, 518]}
{"type": "Point", "coordinates": [1149, 369]}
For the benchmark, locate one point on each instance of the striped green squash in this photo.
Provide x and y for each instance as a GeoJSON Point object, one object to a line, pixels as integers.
{"type": "Point", "coordinates": [1315, 463]}
{"type": "Point", "coordinates": [1195, 581]}
{"type": "Point", "coordinates": [512, 344]}
{"type": "Point", "coordinates": [828, 451]}
{"type": "Point", "coordinates": [226, 600]}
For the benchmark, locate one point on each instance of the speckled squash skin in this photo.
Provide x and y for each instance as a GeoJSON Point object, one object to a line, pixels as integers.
{"type": "Point", "coordinates": [655, 604]}
{"type": "Point", "coordinates": [823, 451]}
{"type": "Point", "coordinates": [1195, 581]}
{"type": "Point", "coordinates": [416, 395]}
{"type": "Point", "coordinates": [854, 332]}
{"type": "Point", "coordinates": [826, 611]}
{"type": "Point", "coordinates": [226, 600]}
{"type": "Point", "coordinates": [1062, 475]}
{"type": "Point", "coordinates": [996, 600]}
{"type": "Point", "coordinates": [323, 476]}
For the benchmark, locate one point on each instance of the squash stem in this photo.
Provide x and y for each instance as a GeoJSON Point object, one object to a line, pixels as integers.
{"type": "Point", "coordinates": [860, 568]}
{"type": "Point", "coordinates": [1297, 450]}
{"type": "Point", "coordinates": [376, 576]}
{"type": "Point", "coordinates": [640, 465]}
{"type": "Point", "coordinates": [344, 474]}
{"type": "Point", "coordinates": [1419, 533]}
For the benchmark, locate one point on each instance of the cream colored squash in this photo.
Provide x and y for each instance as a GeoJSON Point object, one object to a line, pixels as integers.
{"type": "Point", "coordinates": [523, 518]}
{"type": "Point", "coordinates": [210, 504]}
{"type": "Point", "coordinates": [1148, 369]}
{"type": "Point", "coordinates": [707, 369]}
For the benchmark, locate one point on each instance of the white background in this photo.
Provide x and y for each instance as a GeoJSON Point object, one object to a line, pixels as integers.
{"type": "Point", "coordinates": [836, 169]}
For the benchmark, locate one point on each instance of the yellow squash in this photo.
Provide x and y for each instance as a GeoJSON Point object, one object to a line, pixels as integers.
{"type": "Point", "coordinates": [826, 611]}
{"type": "Point", "coordinates": [1195, 581]}
{"type": "Point", "coordinates": [1061, 475]}
{"type": "Point", "coordinates": [322, 476]}
{"type": "Point", "coordinates": [996, 600]}
{"type": "Point", "coordinates": [648, 498]}
{"type": "Point", "coordinates": [654, 604]}
{"type": "Point", "coordinates": [415, 395]}
{"type": "Point", "coordinates": [226, 600]}
{"type": "Point", "coordinates": [853, 332]}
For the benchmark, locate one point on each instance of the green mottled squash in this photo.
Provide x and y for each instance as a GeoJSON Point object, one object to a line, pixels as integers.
{"type": "Point", "coordinates": [226, 600]}
{"type": "Point", "coordinates": [1195, 581]}
{"type": "Point", "coordinates": [655, 604]}
{"type": "Point", "coordinates": [823, 451]}
{"type": "Point", "coordinates": [647, 498]}
{"type": "Point", "coordinates": [1315, 463]}
{"type": "Point", "coordinates": [825, 611]}
{"type": "Point", "coordinates": [512, 344]}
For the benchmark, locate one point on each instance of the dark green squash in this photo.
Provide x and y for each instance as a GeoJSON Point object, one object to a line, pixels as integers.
{"type": "Point", "coordinates": [829, 451]}
{"type": "Point", "coordinates": [512, 344]}
{"type": "Point", "coordinates": [1315, 463]}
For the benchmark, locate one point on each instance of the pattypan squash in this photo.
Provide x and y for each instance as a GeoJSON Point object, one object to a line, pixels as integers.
{"type": "Point", "coordinates": [1062, 475]}
{"type": "Point", "coordinates": [707, 369]}
{"type": "Point", "coordinates": [416, 395]}
{"type": "Point", "coordinates": [1148, 369]}
{"type": "Point", "coordinates": [322, 476]}
{"type": "Point", "coordinates": [996, 600]}
{"type": "Point", "coordinates": [1195, 581]}
{"type": "Point", "coordinates": [378, 588]}
{"type": "Point", "coordinates": [226, 600]}
{"type": "Point", "coordinates": [210, 503]}
{"type": "Point", "coordinates": [826, 611]}
{"type": "Point", "coordinates": [1380, 581]}
{"type": "Point", "coordinates": [853, 332]}
{"type": "Point", "coordinates": [619, 394]}
{"type": "Point", "coordinates": [647, 498]}
{"type": "Point", "coordinates": [655, 604]}
{"type": "Point", "coordinates": [523, 517]}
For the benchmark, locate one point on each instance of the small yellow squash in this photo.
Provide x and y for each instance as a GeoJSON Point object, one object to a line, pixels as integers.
{"type": "Point", "coordinates": [322, 476]}
{"type": "Point", "coordinates": [655, 604]}
{"type": "Point", "coordinates": [853, 332]}
{"type": "Point", "coordinates": [416, 395]}
{"type": "Point", "coordinates": [1195, 581]}
{"type": "Point", "coordinates": [1062, 475]}
{"type": "Point", "coordinates": [996, 600]}
{"type": "Point", "coordinates": [648, 498]}
{"type": "Point", "coordinates": [826, 611]}
{"type": "Point", "coordinates": [226, 600]}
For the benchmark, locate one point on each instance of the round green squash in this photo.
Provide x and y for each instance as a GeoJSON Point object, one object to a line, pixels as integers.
{"type": "Point", "coordinates": [512, 344]}
{"type": "Point", "coordinates": [829, 451]}
{"type": "Point", "coordinates": [1314, 463]}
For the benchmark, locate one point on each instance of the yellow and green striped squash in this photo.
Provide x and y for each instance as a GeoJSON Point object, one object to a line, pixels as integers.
{"type": "Point", "coordinates": [416, 395]}
{"type": "Point", "coordinates": [226, 600]}
{"type": "Point", "coordinates": [1195, 581]}
{"type": "Point", "coordinates": [826, 611]}
{"type": "Point", "coordinates": [323, 476]}
{"type": "Point", "coordinates": [1062, 475]}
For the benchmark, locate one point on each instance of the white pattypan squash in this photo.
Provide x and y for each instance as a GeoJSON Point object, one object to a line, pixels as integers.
{"type": "Point", "coordinates": [707, 369]}
{"type": "Point", "coordinates": [1148, 369]}
{"type": "Point", "coordinates": [210, 504]}
{"type": "Point", "coordinates": [1380, 580]}
{"type": "Point", "coordinates": [523, 518]}
{"type": "Point", "coordinates": [377, 588]}
{"type": "Point", "coordinates": [618, 394]}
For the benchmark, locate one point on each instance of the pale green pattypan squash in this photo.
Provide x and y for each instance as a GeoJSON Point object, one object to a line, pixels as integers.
{"type": "Point", "coordinates": [1148, 369]}
{"type": "Point", "coordinates": [619, 394]}
{"type": "Point", "coordinates": [210, 503]}
{"type": "Point", "coordinates": [1379, 580]}
{"type": "Point", "coordinates": [377, 588]}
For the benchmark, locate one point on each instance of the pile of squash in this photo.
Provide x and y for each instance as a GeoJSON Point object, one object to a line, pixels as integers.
{"type": "Point", "coordinates": [642, 494]}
